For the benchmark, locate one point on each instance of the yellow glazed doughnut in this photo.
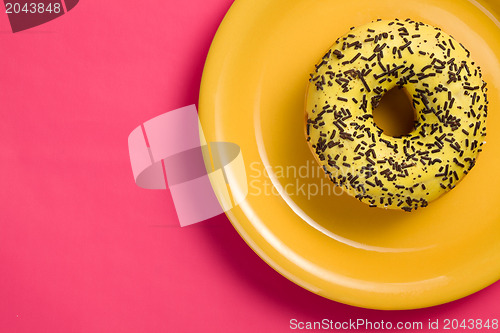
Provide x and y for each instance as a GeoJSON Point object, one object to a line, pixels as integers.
{"type": "Point", "coordinates": [448, 95]}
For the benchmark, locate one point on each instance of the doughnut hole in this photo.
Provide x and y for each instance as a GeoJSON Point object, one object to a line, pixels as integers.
{"type": "Point", "coordinates": [395, 114]}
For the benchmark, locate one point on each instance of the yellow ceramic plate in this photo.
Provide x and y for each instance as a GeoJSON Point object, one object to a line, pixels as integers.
{"type": "Point", "coordinates": [253, 94]}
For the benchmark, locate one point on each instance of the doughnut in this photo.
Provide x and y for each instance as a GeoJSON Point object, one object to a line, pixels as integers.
{"type": "Point", "coordinates": [448, 95]}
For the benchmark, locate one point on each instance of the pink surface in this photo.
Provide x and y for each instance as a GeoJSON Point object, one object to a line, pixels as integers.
{"type": "Point", "coordinates": [82, 248]}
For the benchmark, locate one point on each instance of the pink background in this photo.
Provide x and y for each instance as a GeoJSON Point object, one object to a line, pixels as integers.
{"type": "Point", "coordinates": [82, 248]}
